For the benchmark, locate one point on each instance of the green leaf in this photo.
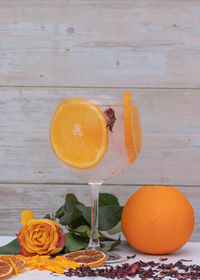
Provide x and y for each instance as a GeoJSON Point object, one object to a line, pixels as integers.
{"type": "Point", "coordinates": [116, 229]}
{"type": "Point", "coordinates": [70, 210]}
{"type": "Point", "coordinates": [106, 199]}
{"type": "Point", "coordinates": [109, 216]}
{"type": "Point", "coordinates": [77, 218]}
{"type": "Point", "coordinates": [86, 212]}
{"type": "Point", "coordinates": [11, 248]}
{"type": "Point", "coordinates": [83, 230]}
{"type": "Point", "coordinates": [47, 216]}
{"type": "Point", "coordinates": [60, 212]}
{"type": "Point", "coordinates": [103, 237]}
{"type": "Point", "coordinates": [111, 245]}
{"type": "Point", "coordinates": [78, 222]}
{"type": "Point", "coordinates": [71, 200]}
{"type": "Point", "coordinates": [74, 244]}
{"type": "Point", "coordinates": [70, 216]}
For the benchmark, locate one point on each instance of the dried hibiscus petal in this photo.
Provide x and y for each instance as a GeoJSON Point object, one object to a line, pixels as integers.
{"type": "Point", "coordinates": [145, 270]}
{"type": "Point", "coordinates": [110, 117]}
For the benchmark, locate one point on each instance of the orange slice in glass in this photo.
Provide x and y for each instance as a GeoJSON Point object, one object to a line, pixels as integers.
{"type": "Point", "coordinates": [6, 269]}
{"type": "Point", "coordinates": [78, 133]}
{"type": "Point", "coordinates": [132, 129]}
{"type": "Point", "coordinates": [91, 258]}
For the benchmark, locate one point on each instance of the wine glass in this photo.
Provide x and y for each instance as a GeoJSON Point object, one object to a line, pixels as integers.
{"type": "Point", "coordinates": [111, 127]}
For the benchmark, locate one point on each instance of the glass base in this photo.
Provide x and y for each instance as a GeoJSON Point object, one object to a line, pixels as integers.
{"type": "Point", "coordinates": [96, 248]}
{"type": "Point", "coordinates": [111, 257]}
{"type": "Point", "coordinates": [114, 258]}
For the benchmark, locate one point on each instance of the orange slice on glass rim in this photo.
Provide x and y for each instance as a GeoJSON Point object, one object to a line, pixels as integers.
{"type": "Point", "coordinates": [132, 129]}
{"type": "Point", "coordinates": [6, 269]}
{"type": "Point", "coordinates": [78, 133]}
{"type": "Point", "coordinates": [91, 258]}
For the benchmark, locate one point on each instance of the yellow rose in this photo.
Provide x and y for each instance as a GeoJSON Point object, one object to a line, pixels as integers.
{"type": "Point", "coordinates": [42, 237]}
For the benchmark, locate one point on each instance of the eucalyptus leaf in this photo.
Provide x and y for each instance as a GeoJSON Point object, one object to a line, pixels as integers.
{"type": "Point", "coordinates": [77, 218]}
{"type": "Point", "coordinates": [103, 237]}
{"type": "Point", "coordinates": [71, 200]}
{"type": "Point", "coordinates": [74, 244]}
{"type": "Point", "coordinates": [86, 212]}
{"type": "Point", "coordinates": [70, 216]}
{"type": "Point", "coordinates": [111, 245]}
{"type": "Point", "coordinates": [47, 216]}
{"type": "Point", "coordinates": [71, 213]}
{"type": "Point", "coordinates": [106, 199]}
{"type": "Point", "coordinates": [78, 222]}
{"type": "Point", "coordinates": [11, 248]}
{"type": "Point", "coordinates": [109, 216]}
{"type": "Point", "coordinates": [60, 212]}
{"type": "Point", "coordinates": [69, 204]}
{"type": "Point", "coordinates": [116, 229]}
{"type": "Point", "coordinates": [83, 230]}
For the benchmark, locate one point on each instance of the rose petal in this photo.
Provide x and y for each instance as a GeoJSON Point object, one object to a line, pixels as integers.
{"type": "Point", "coordinates": [50, 222]}
{"type": "Point", "coordinates": [56, 250]}
{"type": "Point", "coordinates": [24, 252]}
{"type": "Point", "coordinates": [61, 238]}
{"type": "Point", "coordinates": [27, 215]}
{"type": "Point", "coordinates": [42, 237]}
{"type": "Point", "coordinates": [54, 238]}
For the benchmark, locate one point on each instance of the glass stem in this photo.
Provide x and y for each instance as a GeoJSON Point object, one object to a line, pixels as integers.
{"type": "Point", "coordinates": [94, 235]}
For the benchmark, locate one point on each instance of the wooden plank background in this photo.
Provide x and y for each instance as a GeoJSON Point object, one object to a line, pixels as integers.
{"type": "Point", "coordinates": [51, 50]}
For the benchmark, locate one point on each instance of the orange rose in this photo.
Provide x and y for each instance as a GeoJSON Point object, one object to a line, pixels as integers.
{"type": "Point", "coordinates": [42, 237]}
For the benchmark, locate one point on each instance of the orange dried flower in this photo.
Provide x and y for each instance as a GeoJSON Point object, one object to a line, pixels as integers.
{"type": "Point", "coordinates": [42, 237]}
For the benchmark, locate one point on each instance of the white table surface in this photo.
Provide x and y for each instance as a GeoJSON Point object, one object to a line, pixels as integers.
{"type": "Point", "coordinates": [190, 251]}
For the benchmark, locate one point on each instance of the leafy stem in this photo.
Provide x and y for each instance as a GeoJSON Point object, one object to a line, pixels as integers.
{"type": "Point", "coordinates": [76, 217]}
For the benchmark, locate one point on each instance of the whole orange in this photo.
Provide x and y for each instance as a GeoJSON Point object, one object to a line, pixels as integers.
{"type": "Point", "coordinates": [157, 219]}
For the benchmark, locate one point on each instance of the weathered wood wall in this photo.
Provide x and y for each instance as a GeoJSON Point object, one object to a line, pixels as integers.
{"type": "Point", "coordinates": [50, 50]}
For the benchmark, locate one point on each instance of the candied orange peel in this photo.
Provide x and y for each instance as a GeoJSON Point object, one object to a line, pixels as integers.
{"type": "Point", "coordinates": [58, 265]}
{"type": "Point", "coordinates": [14, 266]}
